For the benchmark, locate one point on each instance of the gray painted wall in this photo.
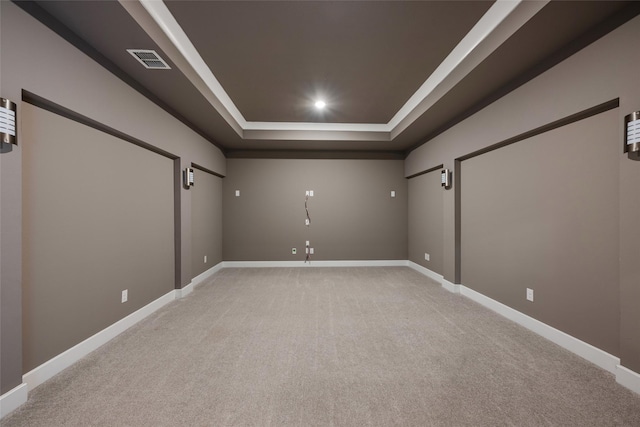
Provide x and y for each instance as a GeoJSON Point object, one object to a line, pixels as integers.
{"type": "Point", "coordinates": [353, 216]}
{"type": "Point", "coordinates": [206, 221]}
{"type": "Point", "coordinates": [94, 224]}
{"type": "Point", "coordinates": [425, 220]}
{"type": "Point", "coordinates": [542, 214]}
{"type": "Point", "coordinates": [601, 72]}
{"type": "Point", "coordinates": [74, 81]}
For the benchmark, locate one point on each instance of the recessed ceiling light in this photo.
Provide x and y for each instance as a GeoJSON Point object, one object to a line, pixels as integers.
{"type": "Point", "coordinates": [320, 104]}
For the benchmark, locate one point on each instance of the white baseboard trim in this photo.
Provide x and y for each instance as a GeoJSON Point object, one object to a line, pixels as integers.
{"type": "Point", "coordinates": [204, 276]}
{"type": "Point", "coordinates": [268, 264]}
{"type": "Point", "coordinates": [424, 270]}
{"type": "Point", "coordinates": [593, 354]}
{"type": "Point", "coordinates": [47, 370]}
{"type": "Point", "coordinates": [13, 399]}
{"type": "Point", "coordinates": [628, 378]}
{"type": "Point", "coordinates": [181, 293]}
{"type": "Point", "coordinates": [451, 287]}
{"type": "Point", "coordinates": [585, 350]}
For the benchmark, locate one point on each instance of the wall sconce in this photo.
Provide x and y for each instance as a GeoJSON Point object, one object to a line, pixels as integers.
{"type": "Point", "coordinates": [445, 178]}
{"type": "Point", "coordinates": [187, 175]}
{"type": "Point", "coordinates": [632, 135]}
{"type": "Point", "coordinates": [8, 122]}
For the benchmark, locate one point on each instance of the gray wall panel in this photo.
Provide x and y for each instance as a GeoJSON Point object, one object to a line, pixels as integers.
{"type": "Point", "coordinates": [542, 214]}
{"type": "Point", "coordinates": [206, 222]}
{"type": "Point", "coordinates": [76, 82]}
{"type": "Point", "coordinates": [353, 215]}
{"type": "Point", "coordinates": [601, 72]}
{"type": "Point", "coordinates": [425, 220]}
{"type": "Point", "coordinates": [98, 219]}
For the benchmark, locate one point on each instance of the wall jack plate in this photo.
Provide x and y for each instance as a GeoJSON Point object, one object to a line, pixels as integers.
{"type": "Point", "coordinates": [294, 251]}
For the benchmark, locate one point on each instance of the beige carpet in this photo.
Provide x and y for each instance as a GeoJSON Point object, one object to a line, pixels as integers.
{"type": "Point", "coordinates": [328, 346]}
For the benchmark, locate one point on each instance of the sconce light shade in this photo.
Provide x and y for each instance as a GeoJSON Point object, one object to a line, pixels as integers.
{"type": "Point", "coordinates": [445, 178]}
{"type": "Point", "coordinates": [632, 135]}
{"type": "Point", "coordinates": [188, 177]}
{"type": "Point", "coordinates": [8, 122]}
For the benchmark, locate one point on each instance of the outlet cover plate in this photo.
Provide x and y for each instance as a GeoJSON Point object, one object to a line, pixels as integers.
{"type": "Point", "coordinates": [529, 294]}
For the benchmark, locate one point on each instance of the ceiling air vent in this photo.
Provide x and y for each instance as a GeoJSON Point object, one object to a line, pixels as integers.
{"type": "Point", "coordinates": [149, 58]}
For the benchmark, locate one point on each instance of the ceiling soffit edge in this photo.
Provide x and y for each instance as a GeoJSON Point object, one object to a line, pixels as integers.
{"type": "Point", "coordinates": [499, 23]}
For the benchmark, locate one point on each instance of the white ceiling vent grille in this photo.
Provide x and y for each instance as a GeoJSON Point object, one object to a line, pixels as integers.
{"type": "Point", "coordinates": [149, 58]}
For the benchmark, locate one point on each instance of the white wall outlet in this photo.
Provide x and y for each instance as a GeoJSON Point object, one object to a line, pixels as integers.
{"type": "Point", "coordinates": [306, 221]}
{"type": "Point", "coordinates": [306, 193]}
{"type": "Point", "coordinates": [427, 257]}
{"type": "Point", "coordinates": [307, 244]}
{"type": "Point", "coordinates": [294, 251]}
{"type": "Point", "coordinates": [311, 251]}
{"type": "Point", "coordinates": [306, 250]}
{"type": "Point", "coordinates": [393, 193]}
{"type": "Point", "coordinates": [125, 296]}
{"type": "Point", "coordinates": [529, 294]}
{"type": "Point", "coordinates": [205, 259]}
{"type": "Point", "coordinates": [237, 193]}
{"type": "Point", "coordinates": [310, 193]}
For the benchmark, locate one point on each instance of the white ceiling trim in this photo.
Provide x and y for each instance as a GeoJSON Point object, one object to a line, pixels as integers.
{"type": "Point", "coordinates": [167, 22]}
{"type": "Point", "coordinates": [312, 127]}
{"type": "Point", "coordinates": [499, 23]}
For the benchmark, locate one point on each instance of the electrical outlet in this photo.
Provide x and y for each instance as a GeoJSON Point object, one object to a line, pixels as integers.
{"type": "Point", "coordinates": [294, 251]}
{"type": "Point", "coordinates": [237, 193]}
{"type": "Point", "coordinates": [427, 257]}
{"type": "Point", "coordinates": [529, 294]}
{"type": "Point", "coordinates": [306, 221]}
{"type": "Point", "coordinates": [310, 193]}
{"type": "Point", "coordinates": [307, 244]}
{"type": "Point", "coordinates": [205, 259]}
{"type": "Point", "coordinates": [306, 250]}
{"type": "Point", "coordinates": [393, 193]}
{"type": "Point", "coordinates": [125, 296]}
{"type": "Point", "coordinates": [311, 251]}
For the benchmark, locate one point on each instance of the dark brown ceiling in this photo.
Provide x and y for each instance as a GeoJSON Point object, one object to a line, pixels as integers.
{"type": "Point", "coordinates": [365, 58]}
